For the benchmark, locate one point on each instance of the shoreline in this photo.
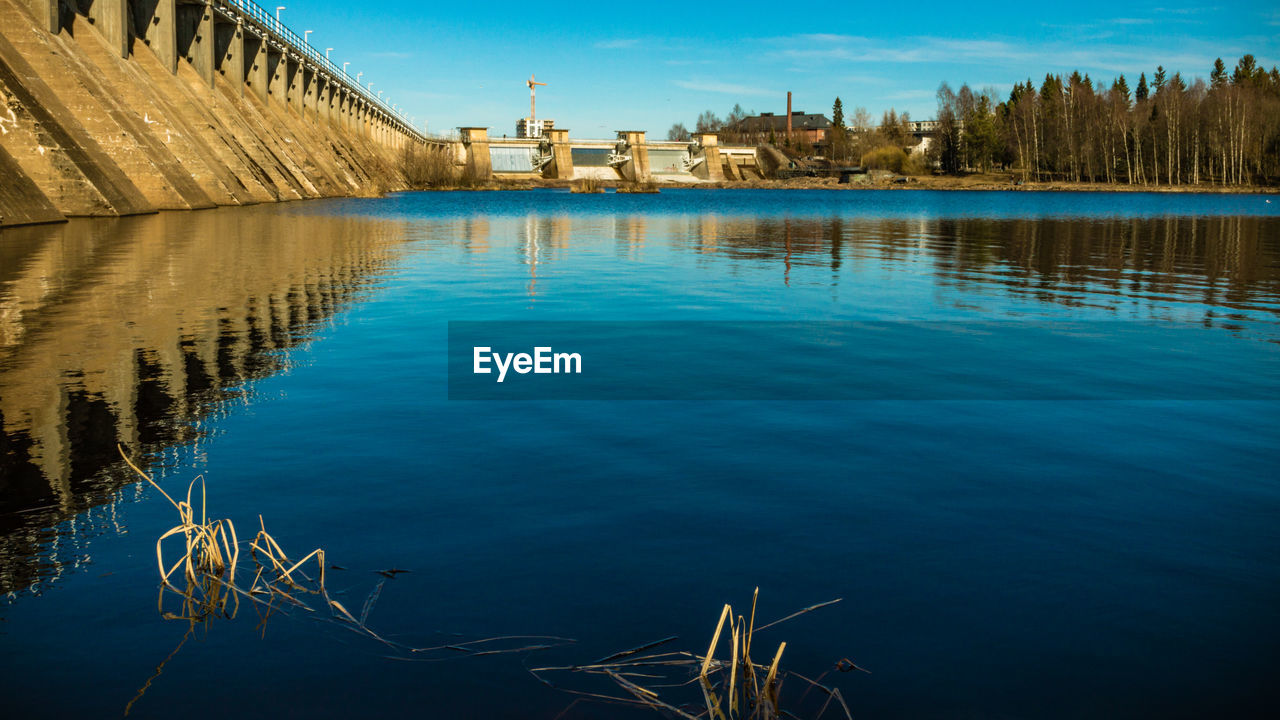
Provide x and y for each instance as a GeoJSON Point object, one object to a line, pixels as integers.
{"type": "Point", "coordinates": [947, 184]}
{"type": "Point", "coordinates": [944, 183]}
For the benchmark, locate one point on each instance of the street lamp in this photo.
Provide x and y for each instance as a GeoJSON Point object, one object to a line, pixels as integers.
{"type": "Point", "coordinates": [326, 53]}
{"type": "Point", "coordinates": [344, 68]}
{"type": "Point", "coordinates": [278, 9]}
{"type": "Point", "coordinates": [379, 92]}
{"type": "Point", "coordinates": [358, 75]}
{"type": "Point", "coordinates": [306, 34]}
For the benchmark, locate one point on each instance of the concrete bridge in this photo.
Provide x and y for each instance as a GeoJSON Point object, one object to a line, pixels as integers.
{"type": "Point", "coordinates": [630, 157]}
{"type": "Point", "coordinates": [119, 107]}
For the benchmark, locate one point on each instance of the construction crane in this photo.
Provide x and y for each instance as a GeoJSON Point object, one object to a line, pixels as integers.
{"type": "Point", "coordinates": [532, 89]}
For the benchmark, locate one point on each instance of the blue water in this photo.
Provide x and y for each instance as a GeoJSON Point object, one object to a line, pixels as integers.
{"type": "Point", "coordinates": [1035, 557]}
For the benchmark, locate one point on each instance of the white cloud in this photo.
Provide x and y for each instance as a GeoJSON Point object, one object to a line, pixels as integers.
{"type": "Point", "coordinates": [1055, 55]}
{"type": "Point", "coordinates": [617, 44]}
{"type": "Point", "coordinates": [910, 95]}
{"type": "Point", "coordinates": [723, 87]}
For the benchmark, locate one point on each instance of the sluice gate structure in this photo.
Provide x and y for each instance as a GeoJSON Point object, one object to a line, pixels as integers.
{"type": "Point", "coordinates": [631, 157]}
{"type": "Point", "coordinates": [124, 107]}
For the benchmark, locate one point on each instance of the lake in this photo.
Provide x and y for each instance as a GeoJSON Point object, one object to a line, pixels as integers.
{"type": "Point", "coordinates": [1029, 439]}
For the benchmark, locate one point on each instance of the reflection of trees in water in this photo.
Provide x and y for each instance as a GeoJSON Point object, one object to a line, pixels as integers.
{"type": "Point", "coordinates": [140, 331]}
{"type": "Point", "coordinates": [1219, 261]}
{"type": "Point", "coordinates": [1224, 262]}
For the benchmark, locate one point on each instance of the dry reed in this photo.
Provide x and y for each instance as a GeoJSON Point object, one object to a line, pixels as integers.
{"type": "Point", "coordinates": [431, 168]}
{"type": "Point", "coordinates": [210, 555]}
{"type": "Point", "coordinates": [587, 185]}
{"type": "Point", "coordinates": [732, 688]}
{"type": "Point", "coordinates": [648, 186]}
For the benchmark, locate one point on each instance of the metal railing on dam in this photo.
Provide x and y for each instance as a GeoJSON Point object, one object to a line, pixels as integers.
{"type": "Point", "coordinates": [268, 27]}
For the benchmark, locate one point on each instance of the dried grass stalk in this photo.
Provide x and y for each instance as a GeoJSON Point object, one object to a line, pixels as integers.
{"type": "Point", "coordinates": [752, 690]}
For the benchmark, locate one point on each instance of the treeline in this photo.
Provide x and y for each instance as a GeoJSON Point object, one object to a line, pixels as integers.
{"type": "Point", "coordinates": [708, 121]}
{"type": "Point", "coordinates": [844, 142]}
{"type": "Point", "coordinates": [1166, 131]}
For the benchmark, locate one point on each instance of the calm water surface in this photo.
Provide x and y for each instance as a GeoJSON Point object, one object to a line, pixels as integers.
{"type": "Point", "coordinates": [1028, 558]}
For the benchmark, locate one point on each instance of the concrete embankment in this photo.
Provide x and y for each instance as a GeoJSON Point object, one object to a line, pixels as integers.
{"type": "Point", "coordinates": [133, 107]}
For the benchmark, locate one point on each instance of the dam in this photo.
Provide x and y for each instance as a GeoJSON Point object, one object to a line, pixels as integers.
{"type": "Point", "coordinates": [113, 108]}
{"type": "Point", "coordinates": [630, 157]}
{"type": "Point", "coordinates": [125, 107]}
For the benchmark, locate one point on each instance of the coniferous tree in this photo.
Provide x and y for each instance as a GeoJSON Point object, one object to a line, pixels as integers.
{"type": "Point", "coordinates": [1218, 77]}
{"type": "Point", "coordinates": [838, 141]}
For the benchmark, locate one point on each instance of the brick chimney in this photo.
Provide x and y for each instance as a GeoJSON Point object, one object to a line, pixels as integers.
{"type": "Point", "coordinates": [788, 113]}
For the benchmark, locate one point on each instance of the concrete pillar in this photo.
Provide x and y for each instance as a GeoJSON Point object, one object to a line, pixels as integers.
{"type": "Point", "coordinates": [297, 84]}
{"type": "Point", "coordinates": [711, 168]}
{"type": "Point", "coordinates": [323, 90]}
{"type": "Point", "coordinates": [561, 165]}
{"type": "Point", "coordinates": [294, 80]}
{"type": "Point", "coordinates": [111, 19]}
{"type": "Point", "coordinates": [229, 41]}
{"type": "Point", "coordinates": [637, 168]}
{"type": "Point", "coordinates": [155, 22]}
{"type": "Point", "coordinates": [255, 61]}
{"type": "Point", "coordinates": [479, 165]}
{"type": "Point", "coordinates": [311, 92]}
{"type": "Point", "coordinates": [731, 170]}
{"type": "Point", "coordinates": [196, 39]}
{"type": "Point", "coordinates": [207, 50]}
{"type": "Point", "coordinates": [277, 80]}
{"type": "Point", "coordinates": [46, 14]}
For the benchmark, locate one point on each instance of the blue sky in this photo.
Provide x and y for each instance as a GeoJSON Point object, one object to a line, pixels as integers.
{"type": "Point", "coordinates": [608, 66]}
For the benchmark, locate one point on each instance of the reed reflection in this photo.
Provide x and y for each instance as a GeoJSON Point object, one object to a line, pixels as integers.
{"type": "Point", "coordinates": [142, 331]}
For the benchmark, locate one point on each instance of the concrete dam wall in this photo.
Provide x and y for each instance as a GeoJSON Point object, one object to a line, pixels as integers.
{"type": "Point", "coordinates": [123, 107]}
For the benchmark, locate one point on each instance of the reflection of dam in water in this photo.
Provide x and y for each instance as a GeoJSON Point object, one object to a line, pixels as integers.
{"type": "Point", "coordinates": [137, 331]}
{"type": "Point", "coordinates": [143, 330]}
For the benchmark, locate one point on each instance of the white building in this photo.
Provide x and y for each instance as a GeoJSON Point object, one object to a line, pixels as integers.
{"type": "Point", "coordinates": [526, 128]}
